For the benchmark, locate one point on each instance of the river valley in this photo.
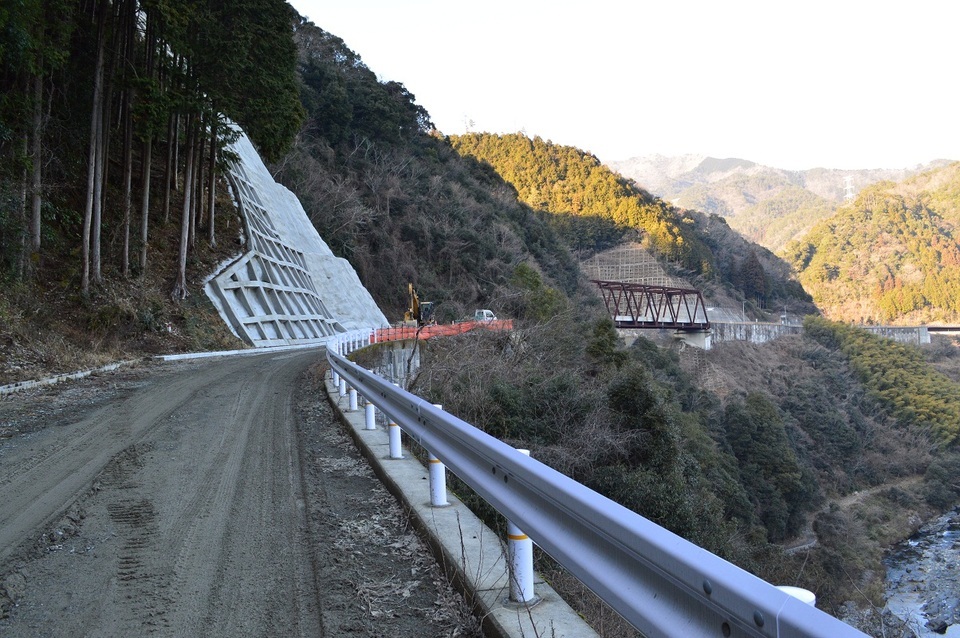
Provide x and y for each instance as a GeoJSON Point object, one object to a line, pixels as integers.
{"type": "Point", "coordinates": [924, 581]}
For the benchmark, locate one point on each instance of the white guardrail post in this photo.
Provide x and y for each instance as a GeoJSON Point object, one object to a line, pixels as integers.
{"type": "Point", "coordinates": [438, 477]}
{"type": "Point", "coordinates": [659, 582]}
{"type": "Point", "coordinates": [369, 416]}
{"type": "Point", "coordinates": [520, 554]}
{"type": "Point", "coordinates": [332, 344]}
{"type": "Point", "coordinates": [393, 431]}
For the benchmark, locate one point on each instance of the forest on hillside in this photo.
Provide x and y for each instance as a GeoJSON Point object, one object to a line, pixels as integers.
{"type": "Point", "coordinates": [890, 256]}
{"type": "Point", "coordinates": [594, 208]}
{"type": "Point", "coordinates": [770, 206]}
{"type": "Point", "coordinates": [115, 112]}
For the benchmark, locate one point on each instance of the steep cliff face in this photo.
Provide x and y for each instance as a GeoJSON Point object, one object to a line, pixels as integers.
{"type": "Point", "coordinates": [287, 287]}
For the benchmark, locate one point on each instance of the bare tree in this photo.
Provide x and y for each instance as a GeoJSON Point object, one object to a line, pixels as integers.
{"type": "Point", "coordinates": [94, 167]}
{"type": "Point", "coordinates": [36, 182]}
{"type": "Point", "coordinates": [212, 187]}
{"type": "Point", "coordinates": [180, 289]}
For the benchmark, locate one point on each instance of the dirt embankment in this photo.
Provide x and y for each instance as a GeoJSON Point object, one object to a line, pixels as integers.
{"type": "Point", "coordinates": [215, 498]}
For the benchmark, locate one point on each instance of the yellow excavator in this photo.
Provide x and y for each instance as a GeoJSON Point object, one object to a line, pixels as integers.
{"type": "Point", "coordinates": [420, 313]}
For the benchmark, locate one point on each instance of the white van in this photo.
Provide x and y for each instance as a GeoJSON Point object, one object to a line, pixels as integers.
{"type": "Point", "coordinates": [484, 315]}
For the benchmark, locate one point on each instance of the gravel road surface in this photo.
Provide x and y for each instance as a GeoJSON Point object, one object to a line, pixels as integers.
{"type": "Point", "coordinates": [206, 498]}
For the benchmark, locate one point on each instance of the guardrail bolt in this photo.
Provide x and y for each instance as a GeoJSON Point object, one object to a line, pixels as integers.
{"type": "Point", "coordinates": [707, 587]}
{"type": "Point", "coordinates": [758, 618]}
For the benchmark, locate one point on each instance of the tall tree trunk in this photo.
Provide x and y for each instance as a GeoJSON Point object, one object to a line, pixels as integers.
{"type": "Point", "coordinates": [180, 289]}
{"type": "Point", "coordinates": [100, 178]}
{"type": "Point", "coordinates": [93, 154]}
{"type": "Point", "coordinates": [104, 164]}
{"type": "Point", "coordinates": [171, 168]}
{"type": "Point", "coordinates": [176, 151]}
{"type": "Point", "coordinates": [21, 214]}
{"type": "Point", "coordinates": [145, 203]}
{"type": "Point", "coordinates": [196, 212]}
{"type": "Point", "coordinates": [212, 189]}
{"type": "Point", "coordinates": [127, 181]}
{"type": "Point", "coordinates": [37, 180]}
{"type": "Point", "coordinates": [129, 94]}
{"type": "Point", "coordinates": [201, 201]}
{"type": "Point", "coordinates": [146, 158]}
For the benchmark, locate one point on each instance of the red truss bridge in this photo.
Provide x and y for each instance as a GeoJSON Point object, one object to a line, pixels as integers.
{"type": "Point", "coordinates": [664, 307]}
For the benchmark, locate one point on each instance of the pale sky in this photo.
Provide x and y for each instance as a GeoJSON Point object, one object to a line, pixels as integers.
{"type": "Point", "coordinates": [834, 84]}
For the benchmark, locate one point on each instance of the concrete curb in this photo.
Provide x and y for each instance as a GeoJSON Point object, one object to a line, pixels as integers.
{"type": "Point", "coordinates": [35, 383]}
{"type": "Point", "coordinates": [238, 353]}
{"type": "Point", "coordinates": [469, 552]}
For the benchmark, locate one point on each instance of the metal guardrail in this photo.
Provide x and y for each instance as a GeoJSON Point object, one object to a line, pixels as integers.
{"type": "Point", "coordinates": [660, 583]}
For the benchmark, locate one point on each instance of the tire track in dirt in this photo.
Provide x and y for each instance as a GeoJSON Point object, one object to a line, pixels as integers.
{"type": "Point", "coordinates": [190, 492]}
{"type": "Point", "coordinates": [214, 499]}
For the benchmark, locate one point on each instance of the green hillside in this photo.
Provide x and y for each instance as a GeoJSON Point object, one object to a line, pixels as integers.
{"type": "Point", "coordinates": [593, 207]}
{"type": "Point", "coordinates": [785, 216]}
{"type": "Point", "coordinates": [592, 202]}
{"type": "Point", "coordinates": [892, 256]}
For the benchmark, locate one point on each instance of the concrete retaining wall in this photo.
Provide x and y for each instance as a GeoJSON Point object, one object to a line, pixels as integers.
{"type": "Point", "coordinates": [289, 287]}
{"type": "Point", "coordinates": [763, 332]}
{"type": "Point", "coordinates": [398, 361]}
{"type": "Point", "coordinates": [752, 332]}
{"type": "Point", "coordinates": [916, 335]}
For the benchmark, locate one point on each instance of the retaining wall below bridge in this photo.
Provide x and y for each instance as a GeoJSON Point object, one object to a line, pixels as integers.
{"type": "Point", "coordinates": [758, 332]}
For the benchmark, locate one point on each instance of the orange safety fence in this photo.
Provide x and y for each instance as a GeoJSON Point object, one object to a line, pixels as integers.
{"type": "Point", "coordinates": [426, 332]}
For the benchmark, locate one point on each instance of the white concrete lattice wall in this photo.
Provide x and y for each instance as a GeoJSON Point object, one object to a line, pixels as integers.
{"type": "Point", "coordinates": [288, 288]}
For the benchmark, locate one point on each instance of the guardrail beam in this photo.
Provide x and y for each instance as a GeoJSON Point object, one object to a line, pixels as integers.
{"type": "Point", "coordinates": [660, 583]}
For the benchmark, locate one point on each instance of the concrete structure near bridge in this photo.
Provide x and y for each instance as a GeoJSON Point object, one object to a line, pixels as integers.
{"type": "Point", "coordinates": [760, 332]}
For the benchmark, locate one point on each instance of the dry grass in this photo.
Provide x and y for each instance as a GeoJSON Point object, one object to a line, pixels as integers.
{"type": "Point", "coordinates": [47, 327]}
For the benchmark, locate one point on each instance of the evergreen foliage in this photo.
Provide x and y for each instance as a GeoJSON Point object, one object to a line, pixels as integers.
{"type": "Point", "coordinates": [897, 376]}
{"type": "Point", "coordinates": [591, 201]}
{"type": "Point", "coordinates": [769, 469]}
{"type": "Point", "coordinates": [890, 256]}
{"type": "Point", "coordinates": [594, 208]}
{"type": "Point", "coordinates": [86, 86]}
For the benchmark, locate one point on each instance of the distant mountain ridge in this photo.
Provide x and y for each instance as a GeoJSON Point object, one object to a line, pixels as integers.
{"type": "Point", "coordinates": [669, 176]}
{"type": "Point", "coordinates": [769, 205]}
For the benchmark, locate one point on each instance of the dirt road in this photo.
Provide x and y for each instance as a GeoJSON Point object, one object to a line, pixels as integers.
{"type": "Point", "coordinates": [212, 498]}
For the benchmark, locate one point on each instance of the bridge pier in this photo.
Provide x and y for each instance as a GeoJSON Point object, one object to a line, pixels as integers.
{"type": "Point", "coordinates": [696, 338]}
